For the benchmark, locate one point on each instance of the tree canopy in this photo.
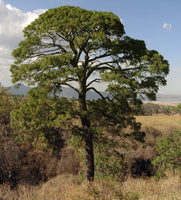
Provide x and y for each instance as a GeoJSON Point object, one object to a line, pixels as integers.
{"type": "Point", "coordinates": [78, 48]}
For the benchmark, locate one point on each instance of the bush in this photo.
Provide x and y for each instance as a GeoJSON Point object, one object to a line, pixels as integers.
{"type": "Point", "coordinates": [168, 149]}
{"type": "Point", "coordinates": [69, 163]}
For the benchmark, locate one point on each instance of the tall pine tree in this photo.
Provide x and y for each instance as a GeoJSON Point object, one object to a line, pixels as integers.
{"type": "Point", "coordinates": [78, 48]}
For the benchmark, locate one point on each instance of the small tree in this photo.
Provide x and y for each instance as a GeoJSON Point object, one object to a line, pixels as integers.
{"type": "Point", "coordinates": [69, 45]}
{"type": "Point", "coordinates": [36, 120]}
{"type": "Point", "coordinates": [177, 109]}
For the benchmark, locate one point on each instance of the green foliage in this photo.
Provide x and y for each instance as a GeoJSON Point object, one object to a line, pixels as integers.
{"type": "Point", "coordinates": [71, 44]}
{"type": "Point", "coordinates": [68, 42]}
{"type": "Point", "coordinates": [7, 104]}
{"type": "Point", "coordinates": [169, 153]}
{"type": "Point", "coordinates": [38, 121]}
{"type": "Point", "coordinates": [109, 163]}
{"type": "Point", "coordinates": [177, 109]}
{"type": "Point", "coordinates": [116, 115]}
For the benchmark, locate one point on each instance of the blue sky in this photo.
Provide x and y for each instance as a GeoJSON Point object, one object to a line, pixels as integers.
{"type": "Point", "coordinates": [157, 22]}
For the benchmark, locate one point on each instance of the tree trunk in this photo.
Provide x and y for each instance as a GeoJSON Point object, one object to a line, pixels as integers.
{"type": "Point", "coordinates": [89, 152]}
{"type": "Point", "coordinates": [89, 157]}
{"type": "Point", "coordinates": [87, 134]}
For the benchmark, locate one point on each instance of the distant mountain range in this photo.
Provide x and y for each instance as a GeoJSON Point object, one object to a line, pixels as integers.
{"type": "Point", "coordinates": [21, 90]}
{"type": "Point", "coordinates": [66, 92]}
{"type": "Point", "coordinates": [70, 93]}
{"type": "Point", "coordinates": [168, 97]}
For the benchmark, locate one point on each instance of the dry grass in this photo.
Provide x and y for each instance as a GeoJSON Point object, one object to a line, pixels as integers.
{"type": "Point", "coordinates": [166, 124]}
{"type": "Point", "coordinates": [164, 103]}
{"type": "Point", "coordinates": [22, 193]}
{"type": "Point", "coordinates": [150, 189]}
{"type": "Point", "coordinates": [68, 187]}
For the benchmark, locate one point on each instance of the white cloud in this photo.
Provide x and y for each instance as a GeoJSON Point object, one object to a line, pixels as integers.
{"type": "Point", "coordinates": [167, 26]}
{"type": "Point", "coordinates": [12, 23]}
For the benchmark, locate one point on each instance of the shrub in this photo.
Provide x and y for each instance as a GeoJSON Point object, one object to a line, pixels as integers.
{"type": "Point", "coordinates": [169, 153]}
{"type": "Point", "coordinates": [69, 163]}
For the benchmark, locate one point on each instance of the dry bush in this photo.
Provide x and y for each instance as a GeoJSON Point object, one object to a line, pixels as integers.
{"type": "Point", "coordinates": [25, 165]}
{"type": "Point", "coordinates": [38, 166]}
{"type": "Point", "coordinates": [139, 162]}
{"type": "Point", "coordinates": [69, 163]}
{"type": "Point", "coordinates": [152, 134]}
{"type": "Point", "coordinates": [10, 164]}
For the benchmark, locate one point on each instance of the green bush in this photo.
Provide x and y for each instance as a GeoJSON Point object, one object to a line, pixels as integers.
{"type": "Point", "coordinates": [169, 153]}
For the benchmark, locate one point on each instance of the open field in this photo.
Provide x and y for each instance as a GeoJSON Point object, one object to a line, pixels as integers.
{"type": "Point", "coordinates": [166, 124]}
{"type": "Point", "coordinates": [164, 103]}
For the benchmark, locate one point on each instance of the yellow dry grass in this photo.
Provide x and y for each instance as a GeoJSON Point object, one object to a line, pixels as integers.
{"type": "Point", "coordinates": [69, 188]}
{"type": "Point", "coordinates": [164, 103]}
{"type": "Point", "coordinates": [163, 123]}
{"type": "Point", "coordinates": [150, 189]}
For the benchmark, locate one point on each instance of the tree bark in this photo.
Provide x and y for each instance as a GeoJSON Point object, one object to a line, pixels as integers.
{"type": "Point", "coordinates": [89, 152]}
{"type": "Point", "coordinates": [89, 157]}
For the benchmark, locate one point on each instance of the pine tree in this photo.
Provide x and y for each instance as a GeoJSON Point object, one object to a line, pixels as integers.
{"type": "Point", "coordinates": [68, 45]}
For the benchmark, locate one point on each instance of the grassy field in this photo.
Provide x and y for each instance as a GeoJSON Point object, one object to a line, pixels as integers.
{"type": "Point", "coordinates": [166, 124]}
{"type": "Point", "coordinates": [69, 188]}
{"type": "Point", "coordinates": [164, 103]}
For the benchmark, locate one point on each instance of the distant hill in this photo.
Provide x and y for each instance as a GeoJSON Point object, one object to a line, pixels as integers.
{"type": "Point", "coordinates": [167, 97]}
{"type": "Point", "coordinates": [21, 90]}
{"type": "Point", "coordinates": [70, 93]}
{"type": "Point", "coordinates": [66, 92]}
